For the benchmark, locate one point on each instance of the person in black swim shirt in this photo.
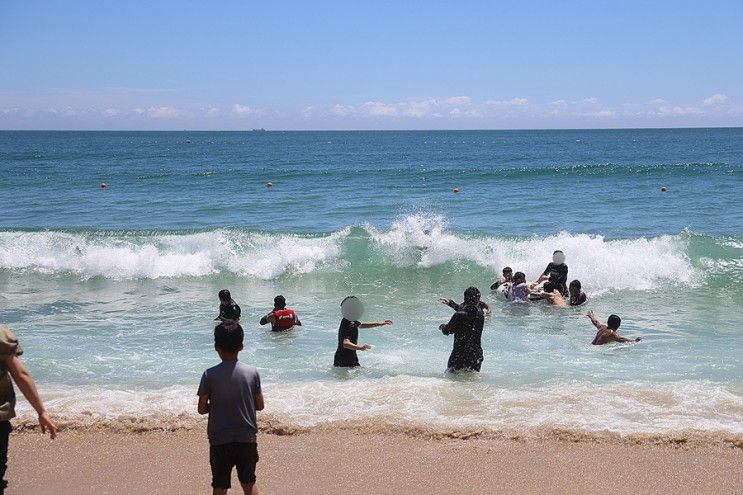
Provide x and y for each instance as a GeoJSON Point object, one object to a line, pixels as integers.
{"type": "Point", "coordinates": [466, 325]}
{"type": "Point", "coordinates": [557, 273]}
{"type": "Point", "coordinates": [577, 296]}
{"type": "Point", "coordinates": [348, 334]}
{"type": "Point", "coordinates": [281, 318]}
{"type": "Point", "coordinates": [228, 309]}
{"type": "Point", "coordinates": [507, 278]}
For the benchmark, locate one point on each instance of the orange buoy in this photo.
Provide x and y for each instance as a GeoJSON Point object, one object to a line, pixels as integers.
{"type": "Point", "coordinates": [663, 189]}
{"type": "Point", "coordinates": [269, 185]}
{"type": "Point", "coordinates": [104, 185]}
{"type": "Point", "coordinates": [456, 190]}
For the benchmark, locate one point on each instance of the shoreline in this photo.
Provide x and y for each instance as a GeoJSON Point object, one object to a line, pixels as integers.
{"type": "Point", "coordinates": [274, 425]}
{"type": "Point", "coordinates": [330, 461]}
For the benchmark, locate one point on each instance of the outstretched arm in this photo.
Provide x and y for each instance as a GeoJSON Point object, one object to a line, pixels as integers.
{"type": "Point", "coordinates": [376, 324]}
{"type": "Point", "coordinates": [618, 338]}
{"type": "Point", "coordinates": [25, 382]}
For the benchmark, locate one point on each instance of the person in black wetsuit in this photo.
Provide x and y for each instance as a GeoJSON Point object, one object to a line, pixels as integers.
{"type": "Point", "coordinates": [487, 308]}
{"type": "Point", "coordinates": [348, 337]}
{"type": "Point", "coordinates": [557, 273]}
{"type": "Point", "coordinates": [466, 325]}
{"type": "Point", "coordinates": [228, 309]}
{"type": "Point", "coordinates": [577, 296]}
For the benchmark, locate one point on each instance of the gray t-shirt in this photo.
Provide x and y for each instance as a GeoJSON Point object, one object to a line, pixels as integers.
{"type": "Point", "coordinates": [231, 387]}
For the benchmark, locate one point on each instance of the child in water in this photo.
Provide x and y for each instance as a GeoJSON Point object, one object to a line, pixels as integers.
{"type": "Point", "coordinates": [228, 309]}
{"type": "Point", "coordinates": [348, 333]}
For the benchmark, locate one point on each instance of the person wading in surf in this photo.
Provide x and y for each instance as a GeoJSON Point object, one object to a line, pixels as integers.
{"type": "Point", "coordinates": [466, 325]}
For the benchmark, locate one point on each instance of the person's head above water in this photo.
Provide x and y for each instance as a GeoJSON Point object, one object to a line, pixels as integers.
{"type": "Point", "coordinates": [508, 273]}
{"type": "Point", "coordinates": [352, 308]}
{"type": "Point", "coordinates": [558, 257]}
{"type": "Point", "coordinates": [613, 322]}
{"type": "Point", "coordinates": [549, 287]}
{"type": "Point", "coordinates": [472, 296]}
{"type": "Point", "coordinates": [279, 302]}
{"type": "Point", "coordinates": [224, 296]}
{"type": "Point", "coordinates": [519, 277]}
{"type": "Point", "coordinates": [575, 287]}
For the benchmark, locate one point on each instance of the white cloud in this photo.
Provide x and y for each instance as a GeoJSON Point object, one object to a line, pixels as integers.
{"type": "Point", "coordinates": [516, 101]}
{"type": "Point", "coordinates": [308, 112]}
{"type": "Point", "coordinates": [669, 110]}
{"type": "Point", "coordinates": [458, 100]}
{"type": "Point", "coordinates": [343, 110]}
{"type": "Point", "coordinates": [164, 112]}
{"type": "Point", "coordinates": [604, 113]}
{"type": "Point", "coordinates": [716, 99]}
{"type": "Point", "coordinates": [379, 109]}
{"type": "Point", "coordinates": [211, 111]}
{"type": "Point", "coordinates": [243, 110]}
{"type": "Point", "coordinates": [559, 103]}
{"type": "Point", "coordinates": [111, 112]}
{"type": "Point", "coordinates": [590, 99]}
{"type": "Point", "coordinates": [658, 101]}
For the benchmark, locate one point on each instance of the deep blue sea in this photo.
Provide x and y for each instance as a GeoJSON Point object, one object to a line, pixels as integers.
{"type": "Point", "coordinates": [112, 292]}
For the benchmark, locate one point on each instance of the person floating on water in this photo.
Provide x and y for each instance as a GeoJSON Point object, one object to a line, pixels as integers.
{"type": "Point", "coordinates": [553, 296]}
{"type": "Point", "coordinates": [519, 291]}
{"type": "Point", "coordinates": [281, 318]}
{"type": "Point", "coordinates": [228, 309]}
{"type": "Point", "coordinates": [577, 296]}
{"type": "Point", "coordinates": [557, 273]}
{"type": "Point", "coordinates": [466, 325]}
{"type": "Point", "coordinates": [608, 333]}
{"type": "Point", "coordinates": [348, 333]}
{"type": "Point", "coordinates": [487, 308]}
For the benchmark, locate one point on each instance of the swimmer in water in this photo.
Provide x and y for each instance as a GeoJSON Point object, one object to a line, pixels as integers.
{"type": "Point", "coordinates": [281, 318]}
{"type": "Point", "coordinates": [577, 296]}
{"type": "Point", "coordinates": [348, 336]}
{"type": "Point", "coordinates": [228, 309]}
{"type": "Point", "coordinates": [519, 291]}
{"type": "Point", "coordinates": [466, 325]}
{"type": "Point", "coordinates": [557, 273]}
{"type": "Point", "coordinates": [553, 296]}
{"type": "Point", "coordinates": [608, 333]}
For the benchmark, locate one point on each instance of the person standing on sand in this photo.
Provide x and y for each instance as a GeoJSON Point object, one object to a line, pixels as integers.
{"type": "Point", "coordinates": [11, 366]}
{"type": "Point", "coordinates": [466, 325]}
{"type": "Point", "coordinates": [608, 333]}
{"type": "Point", "coordinates": [231, 393]}
{"type": "Point", "coordinates": [348, 333]}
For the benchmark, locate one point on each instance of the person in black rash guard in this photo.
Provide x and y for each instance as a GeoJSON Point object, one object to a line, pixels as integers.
{"type": "Point", "coordinates": [228, 309]}
{"type": "Point", "coordinates": [348, 337]}
{"type": "Point", "coordinates": [577, 296]}
{"type": "Point", "coordinates": [466, 325]}
{"type": "Point", "coordinates": [557, 273]}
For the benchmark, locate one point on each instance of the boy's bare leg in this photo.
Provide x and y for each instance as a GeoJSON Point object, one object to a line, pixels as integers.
{"type": "Point", "coordinates": [249, 488]}
{"type": "Point", "coordinates": [219, 491]}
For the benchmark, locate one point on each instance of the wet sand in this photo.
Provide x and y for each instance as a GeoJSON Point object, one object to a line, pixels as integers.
{"type": "Point", "coordinates": [343, 462]}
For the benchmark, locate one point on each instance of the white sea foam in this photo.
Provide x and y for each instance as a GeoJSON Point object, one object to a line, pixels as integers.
{"type": "Point", "coordinates": [415, 241]}
{"type": "Point", "coordinates": [128, 256]}
{"type": "Point", "coordinates": [633, 407]}
{"type": "Point", "coordinates": [423, 241]}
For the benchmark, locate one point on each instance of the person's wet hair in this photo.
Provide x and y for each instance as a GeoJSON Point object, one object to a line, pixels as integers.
{"type": "Point", "coordinates": [558, 251]}
{"type": "Point", "coordinates": [519, 275]}
{"type": "Point", "coordinates": [576, 284]}
{"type": "Point", "coordinates": [613, 322]}
{"type": "Point", "coordinates": [224, 295]}
{"type": "Point", "coordinates": [507, 270]}
{"type": "Point", "coordinates": [347, 298]}
{"type": "Point", "coordinates": [472, 296]}
{"type": "Point", "coordinates": [549, 287]}
{"type": "Point", "coordinates": [228, 336]}
{"type": "Point", "coordinates": [279, 302]}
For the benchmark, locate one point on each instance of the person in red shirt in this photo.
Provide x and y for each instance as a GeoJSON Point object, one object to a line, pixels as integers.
{"type": "Point", "coordinates": [281, 318]}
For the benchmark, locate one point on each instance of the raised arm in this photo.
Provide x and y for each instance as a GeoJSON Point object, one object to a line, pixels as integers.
{"type": "Point", "coordinates": [25, 382]}
{"type": "Point", "coordinates": [594, 320]}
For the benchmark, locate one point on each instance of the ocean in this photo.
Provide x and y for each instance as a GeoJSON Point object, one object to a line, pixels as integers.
{"type": "Point", "coordinates": [113, 292]}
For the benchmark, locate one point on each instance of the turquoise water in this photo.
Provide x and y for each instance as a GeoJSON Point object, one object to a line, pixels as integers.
{"type": "Point", "coordinates": [112, 292]}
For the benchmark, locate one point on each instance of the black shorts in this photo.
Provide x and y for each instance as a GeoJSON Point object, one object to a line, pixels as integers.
{"type": "Point", "coordinates": [242, 455]}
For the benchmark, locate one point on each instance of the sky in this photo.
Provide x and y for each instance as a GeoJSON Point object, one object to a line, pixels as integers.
{"type": "Point", "coordinates": [174, 65]}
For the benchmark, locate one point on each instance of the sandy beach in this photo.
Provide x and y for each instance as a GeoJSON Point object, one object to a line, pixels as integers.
{"type": "Point", "coordinates": [338, 461]}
